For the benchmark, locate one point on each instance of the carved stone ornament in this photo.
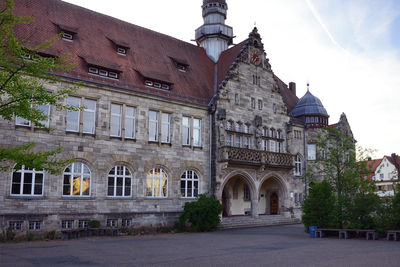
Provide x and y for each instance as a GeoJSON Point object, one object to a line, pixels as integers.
{"type": "Point", "coordinates": [221, 115]}
{"type": "Point", "coordinates": [258, 121]}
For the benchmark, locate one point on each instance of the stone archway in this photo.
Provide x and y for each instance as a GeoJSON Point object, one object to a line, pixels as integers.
{"type": "Point", "coordinates": [237, 196]}
{"type": "Point", "coordinates": [273, 193]}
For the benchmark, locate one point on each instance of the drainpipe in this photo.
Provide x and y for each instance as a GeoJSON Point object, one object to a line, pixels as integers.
{"type": "Point", "coordinates": [305, 161]}
{"type": "Point", "coordinates": [212, 114]}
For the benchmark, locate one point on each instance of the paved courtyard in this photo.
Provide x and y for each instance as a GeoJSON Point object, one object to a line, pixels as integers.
{"type": "Point", "coordinates": [263, 246]}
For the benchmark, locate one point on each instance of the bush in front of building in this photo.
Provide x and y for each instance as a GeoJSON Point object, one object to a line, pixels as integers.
{"type": "Point", "coordinates": [201, 215]}
{"type": "Point", "coordinates": [319, 206]}
{"type": "Point", "coordinates": [94, 224]}
{"type": "Point", "coordinates": [363, 210]}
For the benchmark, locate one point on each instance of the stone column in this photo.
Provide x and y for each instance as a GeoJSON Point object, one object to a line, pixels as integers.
{"type": "Point", "coordinates": [254, 208]}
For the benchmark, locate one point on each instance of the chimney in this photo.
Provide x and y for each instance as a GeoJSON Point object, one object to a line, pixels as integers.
{"type": "Point", "coordinates": [292, 87]}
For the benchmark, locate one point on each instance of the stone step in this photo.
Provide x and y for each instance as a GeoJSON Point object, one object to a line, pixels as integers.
{"type": "Point", "coordinates": [248, 221]}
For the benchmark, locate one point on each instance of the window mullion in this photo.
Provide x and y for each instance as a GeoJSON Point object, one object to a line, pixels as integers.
{"type": "Point", "coordinates": [33, 183]}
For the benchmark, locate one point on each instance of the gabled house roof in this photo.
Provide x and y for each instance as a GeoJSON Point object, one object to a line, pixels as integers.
{"type": "Point", "coordinates": [149, 55]}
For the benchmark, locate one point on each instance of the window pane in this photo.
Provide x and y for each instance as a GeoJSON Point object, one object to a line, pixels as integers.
{"type": "Point", "coordinates": [149, 187]}
{"type": "Point", "coordinates": [46, 111]}
{"type": "Point", "coordinates": [110, 191]}
{"type": "Point", "coordinates": [196, 132]}
{"type": "Point", "coordinates": [73, 116]}
{"type": "Point", "coordinates": [165, 128]}
{"type": "Point", "coordinates": [153, 126]}
{"type": "Point", "coordinates": [185, 131]}
{"type": "Point", "coordinates": [86, 186]}
{"type": "Point", "coordinates": [27, 184]}
{"type": "Point", "coordinates": [89, 116]}
{"type": "Point", "coordinates": [115, 123]}
{"type": "Point", "coordinates": [130, 119]}
{"type": "Point", "coordinates": [22, 121]}
{"type": "Point", "coordinates": [164, 187]}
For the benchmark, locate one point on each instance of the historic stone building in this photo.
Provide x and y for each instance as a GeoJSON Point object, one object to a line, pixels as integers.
{"type": "Point", "coordinates": [163, 121]}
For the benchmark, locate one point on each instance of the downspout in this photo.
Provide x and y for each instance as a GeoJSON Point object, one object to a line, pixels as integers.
{"type": "Point", "coordinates": [305, 161]}
{"type": "Point", "coordinates": [211, 127]}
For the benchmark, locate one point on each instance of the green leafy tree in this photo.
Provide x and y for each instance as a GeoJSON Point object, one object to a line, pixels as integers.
{"type": "Point", "coordinates": [396, 209]}
{"type": "Point", "coordinates": [202, 215]}
{"type": "Point", "coordinates": [24, 72]}
{"type": "Point", "coordinates": [337, 164]}
{"type": "Point", "coordinates": [319, 205]}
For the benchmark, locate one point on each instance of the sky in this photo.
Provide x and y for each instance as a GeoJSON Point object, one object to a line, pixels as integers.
{"type": "Point", "coordinates": [348, 50]}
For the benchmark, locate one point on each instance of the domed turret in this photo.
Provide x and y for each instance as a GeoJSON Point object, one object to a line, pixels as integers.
{"type": "Point", "coordinates": [310, 109]}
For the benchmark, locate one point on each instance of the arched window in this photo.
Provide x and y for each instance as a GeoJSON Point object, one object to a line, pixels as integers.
{"type": "Point", "coordinates": [119, 182]}
{"type": "Point", "coordinates": [238, 127]}
{"type": "Point", "coordinates": [157, 183]}
{"type": "Point", "coordinates": [76, 180]}
{"type": "Point", "coordinates": [189, 184]}
{"type": "Point", "coordinates": [27, 182]}
{"type": "Point", "coordinates": [297, 163]}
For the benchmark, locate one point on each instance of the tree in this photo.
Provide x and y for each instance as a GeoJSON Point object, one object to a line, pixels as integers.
{"type": "Point", "coordinates": [24, 72]}
{"type": "Point", "coordinates": [337, 164]}
{"type": "Point", "coordinates": [319, 205]}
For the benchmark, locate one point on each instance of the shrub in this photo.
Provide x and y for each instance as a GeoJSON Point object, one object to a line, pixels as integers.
{"type": "Point", "coordinates": [319, 206]}
{"type": "Point", "coordinates": [7, 235]}
{"type": "Point", "coordinates": [363, 210]}
{"type": "Point", "coordinates": [51, 235]}
{"type": "Point", "coordinates": [30, 236]}
{"type": "Point", "coordinates": [396, 209]}
{"type": "Point", "coordinates": [202, 215]}
{"type": "Point", "coordinates": [94, 224]}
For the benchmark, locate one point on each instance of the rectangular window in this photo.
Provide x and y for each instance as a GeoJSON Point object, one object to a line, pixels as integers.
{"type": "Point", "coordinates": [237, 99]}
{"type": "Point", "coordinates": [196, 132]}
{"type": "Point", "coordinates": [112, 223]}
{"type": "Point", "coordinates": [229, 140]}
{"type": "Point", "coordinates": [67, 224]}
{"type": "Point", "coordinates": [16, 226]}
{"type": "Point", "coordinates": [73, 116]}
{"type": "Point", "coordinates": [126, 223]}
{"type": "Point", "coordinates": [311, 152]}
{"type": "Point", "coordinates": [121, 50]}
{"type": "Point", "coordinates": [229, 125]}
{"type": "Point", "coordinates": [83, 224]}
{"type": "Point", "coordinates": [103, 73]}
{"type": "Point", "coordinates": [153, 126]}
{"type": "Point", "coordinates": [246, 128]}
{"type": "Point", "coordinates": [45, 109]}
{"type": "Point", "coordinates": [93, 70]}
{"type": "Point", "coordinates": [89, 116]}
{"type": "Point", "coordinates": [22, 122]}
{"type": "Point", "coordinates": [265, 145]}
{"type": "Point", "coordinates": [238, 141]}
{"type": "Point", "coordinates": [272, 146]}
{"type": "Point", "coordinates": [247, 142]}
{"type": "Point", "coordinates": [280, 147]}
{"type": "Point", "coordinates": [130, 122]}
{"type": "Point", "coordinates": [260, 104]}
{"type": "Point", "coordinates": [253, 103]}
{"type": "Point", "coordinates": [35, 225]}
{"type": "Point", "coordinates": [185, 131]}
{"type": "Point", "coordinates": [165, 128]}
{"type": "Point", "coordinates": [27, 182]}
{"type": "Point", "coordinates": [115, 123]}
{"type": "Point", "coordinates": [67, 36]}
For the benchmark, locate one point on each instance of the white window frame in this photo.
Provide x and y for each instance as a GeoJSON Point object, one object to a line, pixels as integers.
{"type": "Point", "coordinates": [247, 142]}
{"type": "Point", "coordinates": [238, 127]}
{"type": "Point", "coordinates": [253, 103]}
{"type": "Point", "coordinates": [83, 224]}
{"type": "Point", "coordinates": [238, 141]}
{"type": "Point", "coordinates": [16, 226]}
{"type": "Point", "coordinates": [87, 112]}
{"type": "Point", "coordinates": [165, 122]}
{"type": "Point", "coordinates": [311, 152]}
{"type": "Point", "coordinates": [126, 174]}
{"type": "Point", "coordinates": [126, 222]}
{"type": "Point", "coordinates": [74, 113]}
{"type": "Point", "coordinates": [35, 225]}
{"type": "Point", "coordinates": [67, 224]}
{"type": "Point", "coordinates": [24, 122]}
{"type": "Point", "coordinates": [229, 140]}
{"type": "Point", "coordinates": [260, 104]}
{"type": "Point", "coordinates": [298, 165]}
{"type": "Point", "coordinates": [246, 128]}
{"type": "Point", "coordinates": [112, 223]}
{"type": "Point", "coordinates": [131, 118]}
{"type": "Point", "coordinates": [196, 132]}
{"type": "Point", "coordinates": [153, 178]}
{"type": "Point", "coordinates": [186, 131]}
{"type": "Point", "coordinates": [116, 118]}
{"type": "Point", "coordinates": [272, 146]}
{"type": "Point", "coordinates": [229, 125]}
{"type": "Point", "coordinates": [153, 124]}
{"type": "Point", "coordinates": [23, 172]}
{"type": "Point", "coordinates": [80, 175]}
{"type": "Point", "coordinates": [121, 50]}
{"type": "Point", "coordinates": [189, 177]}
{"type": "Point", "coordinates": [265, 145]}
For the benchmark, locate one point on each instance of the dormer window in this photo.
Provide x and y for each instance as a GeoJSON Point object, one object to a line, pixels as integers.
{"type": "Point", "coordinates": [121, 50]}
{"type": "Point", "coordinates": [102, 72]}
{"type": "Point", "coordinates": [157, 84]}
{"type": "Point", "coordinates": [67, 36]}
{"type": "Point", "coordinates": [180, 64]}
{"type": "Point", "coordinates": [181, 67]}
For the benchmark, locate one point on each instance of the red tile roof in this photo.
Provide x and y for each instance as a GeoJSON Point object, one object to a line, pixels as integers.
{"type": "Point", "coordinates": [150, 53]}
{"type": "Point", "coordinates": [372, 165]}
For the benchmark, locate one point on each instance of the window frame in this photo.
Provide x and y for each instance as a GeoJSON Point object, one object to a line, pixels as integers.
{"type": "Point", "coordinates": [33, 183]}
{"type": "Point", "coordinates": [311, 152]}
{"type": "Point", "coordinates": [192, 178]}
{"type": "Point", "coordinates": [298, 165]}
{"type": "Point", "coordinates": [82, 176]}
{"type": "Point", "coordinates": [153, 178]}
{"type": "Point", "coordinates": [115, 178]}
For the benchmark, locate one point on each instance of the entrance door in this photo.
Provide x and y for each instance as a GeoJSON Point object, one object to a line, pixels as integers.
{"type": "Point", "coordinates": [274, 204]}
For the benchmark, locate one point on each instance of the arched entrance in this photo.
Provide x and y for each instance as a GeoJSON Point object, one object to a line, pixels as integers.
{"type": "Point", "coordinates": [271, 197]}
{"type": "Point", "coordinates": [236, 197]}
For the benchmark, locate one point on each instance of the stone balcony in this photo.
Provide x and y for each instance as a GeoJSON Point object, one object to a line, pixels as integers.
{"type": "Point", "coordinates": [236, 155]}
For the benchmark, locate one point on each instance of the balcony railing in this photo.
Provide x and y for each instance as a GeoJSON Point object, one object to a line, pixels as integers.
{"type": "Point", "coordinates": [255, 157]}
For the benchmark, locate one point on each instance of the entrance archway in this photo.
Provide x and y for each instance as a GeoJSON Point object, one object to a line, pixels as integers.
{"type": "Point", "coordinates": [271, 196]}
{"type": "Point", "coordinates": [236, 197]}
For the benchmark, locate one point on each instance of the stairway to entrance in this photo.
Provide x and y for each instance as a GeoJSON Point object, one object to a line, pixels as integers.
{"type": "Point", "coordinates": [262, 220]}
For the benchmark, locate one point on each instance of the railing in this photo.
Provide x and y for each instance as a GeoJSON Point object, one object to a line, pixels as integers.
{"type": "Point", "coordinates": [255, 157]}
